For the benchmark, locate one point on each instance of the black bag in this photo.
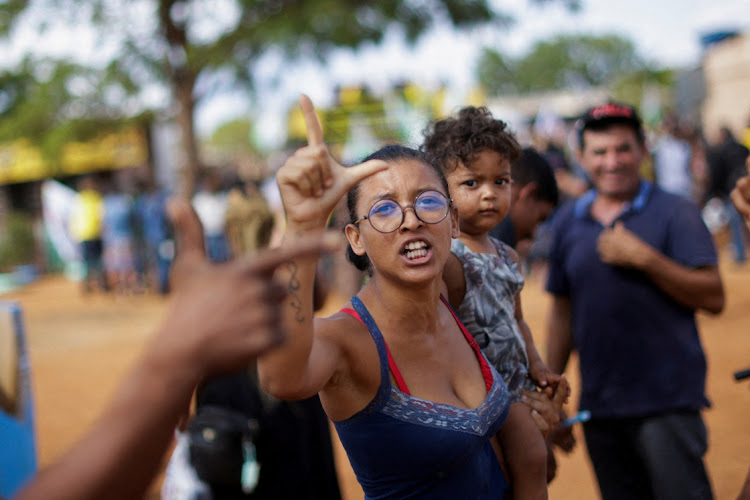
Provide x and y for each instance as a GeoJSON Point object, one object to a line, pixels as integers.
{"type": "Point", "coordinates": [219, 438]}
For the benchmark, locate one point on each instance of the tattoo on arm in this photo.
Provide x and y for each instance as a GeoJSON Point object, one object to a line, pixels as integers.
{"type": "Point", "coordinates": [292, 289]}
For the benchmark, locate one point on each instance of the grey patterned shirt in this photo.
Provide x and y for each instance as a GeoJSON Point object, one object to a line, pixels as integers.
{"type": "Point", "coordinates": [488, 311]}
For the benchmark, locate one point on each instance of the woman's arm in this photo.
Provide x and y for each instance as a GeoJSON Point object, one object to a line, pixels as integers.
{"type": "Point", "coordinates": [311, 183]}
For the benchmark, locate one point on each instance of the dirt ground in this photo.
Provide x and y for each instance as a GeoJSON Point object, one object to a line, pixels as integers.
{"type": "Point", "coordinates": [80, 348]}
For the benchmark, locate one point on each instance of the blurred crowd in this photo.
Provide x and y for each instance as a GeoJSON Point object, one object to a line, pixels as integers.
{"type": "Point", "coordinates": [126, 243]}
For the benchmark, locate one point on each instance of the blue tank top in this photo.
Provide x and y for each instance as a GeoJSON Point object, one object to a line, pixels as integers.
{"type": "Point", "coordinates": [404, 447]}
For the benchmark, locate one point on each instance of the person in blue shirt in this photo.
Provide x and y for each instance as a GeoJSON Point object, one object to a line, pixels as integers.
{"type": "Point", "coordinates": [158, 246]}
{"type": "Point", "coordinates": [630, 265]}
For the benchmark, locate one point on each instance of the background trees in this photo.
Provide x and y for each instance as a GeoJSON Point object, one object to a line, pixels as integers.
{"type": "Point", "coordinates": [164, 56]}
{"type": "Point", "coordinates": [568, 62]}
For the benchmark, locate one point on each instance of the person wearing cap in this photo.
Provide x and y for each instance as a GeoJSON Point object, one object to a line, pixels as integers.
{"type": "Point", "coordinates": [630, 265]}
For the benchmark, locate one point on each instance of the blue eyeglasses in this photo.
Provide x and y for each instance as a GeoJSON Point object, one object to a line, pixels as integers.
{"type": "Point", "coordinates": [386, 216]}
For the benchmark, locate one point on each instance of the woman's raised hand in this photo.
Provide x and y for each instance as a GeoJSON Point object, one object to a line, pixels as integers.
{"type": "Point", "coordinates": [312, 182]}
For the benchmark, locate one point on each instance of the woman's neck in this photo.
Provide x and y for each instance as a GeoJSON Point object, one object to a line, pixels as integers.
{"type": "Point", "coordinates": [413, 309]}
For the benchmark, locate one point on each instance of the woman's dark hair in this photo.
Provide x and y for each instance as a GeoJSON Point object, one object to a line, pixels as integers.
{"type": "Point", "coordinates": [391, 154]}
{"type": "Point", "coordinates": [459, 139]}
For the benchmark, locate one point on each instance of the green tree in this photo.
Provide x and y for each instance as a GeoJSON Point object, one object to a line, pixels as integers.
{"type": "Point", "coordinates": [564, 62]}
{"type": "Point", "coordinates": [56, 102]}
{"type": "Point", "coordinates": [195, 48]}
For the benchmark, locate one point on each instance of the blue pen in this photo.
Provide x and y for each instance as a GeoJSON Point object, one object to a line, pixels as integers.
{"type": "Point", "coordinates": [581, 416]}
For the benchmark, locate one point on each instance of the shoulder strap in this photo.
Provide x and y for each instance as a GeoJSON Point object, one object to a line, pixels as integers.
{"type": "Point", "coordinates": [485, 367]}
{"type": "Point", "coordinates": [363, 315]}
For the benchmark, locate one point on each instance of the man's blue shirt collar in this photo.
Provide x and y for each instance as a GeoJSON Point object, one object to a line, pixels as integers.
{"type": "Point", "coordinates": [583, 204]}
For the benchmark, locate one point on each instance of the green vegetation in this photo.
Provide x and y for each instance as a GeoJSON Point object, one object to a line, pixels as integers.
{"type": "Point", "coordinates": [17, 245]}
{"type": "Point", "coordinates": [189, 49]}
{"type": "Point", "coordinates": [571, 62]}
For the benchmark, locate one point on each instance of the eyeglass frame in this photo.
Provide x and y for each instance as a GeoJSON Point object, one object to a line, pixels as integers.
{"type": "Point", "coordinates": [403, 211]}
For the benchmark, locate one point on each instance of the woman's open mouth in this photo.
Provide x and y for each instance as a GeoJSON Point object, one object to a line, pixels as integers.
{"type": "Point", "coordinates": [416, 250]}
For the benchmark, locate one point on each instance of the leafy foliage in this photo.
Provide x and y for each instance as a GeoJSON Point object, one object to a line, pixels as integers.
{"type": "Point", "coordinates": [188, 49]}
{"type": "Point", "coordinates": [564, 62]}
{"type": "Point", "coordinates": [17, 244]}
{"type": "Point", "coordinates": [53, 103]}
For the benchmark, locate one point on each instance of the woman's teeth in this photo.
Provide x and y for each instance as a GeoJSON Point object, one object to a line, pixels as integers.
{"type": "Point", "coordinates": [416, 250]}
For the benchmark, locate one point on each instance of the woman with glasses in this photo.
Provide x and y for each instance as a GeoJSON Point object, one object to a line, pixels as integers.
{"type": "Point", "coordinates": [413, 399]}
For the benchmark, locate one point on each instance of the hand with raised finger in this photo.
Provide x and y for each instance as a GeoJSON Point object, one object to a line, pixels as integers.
{"type": "Point", "coordinates": [222, 315]}
{"type": "Point", "coordinates": [312, 182]}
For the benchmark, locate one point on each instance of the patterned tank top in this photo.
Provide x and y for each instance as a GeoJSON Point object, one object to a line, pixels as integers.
{"type": "Point", "coordinates": [488, 311]}
{"type": "Point", "coordinates": [404, 447]}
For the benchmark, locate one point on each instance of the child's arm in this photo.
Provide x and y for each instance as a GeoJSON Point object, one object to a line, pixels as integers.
{"type": "Point", "coordinates": [454, 281]}
{"type": "Point", "coordinates": [538, 371]}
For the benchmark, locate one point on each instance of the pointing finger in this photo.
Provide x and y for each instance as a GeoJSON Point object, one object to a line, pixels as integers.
{"type": "Point", "coordinates": [312, 123]}
{"type": "Point", "coordinates": [188, 228]}
{"type": "Point", "coordinates": [266, 261]}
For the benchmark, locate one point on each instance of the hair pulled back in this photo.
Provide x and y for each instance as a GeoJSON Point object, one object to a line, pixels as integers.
{"type": "Point", "coordinates": [391, 154]}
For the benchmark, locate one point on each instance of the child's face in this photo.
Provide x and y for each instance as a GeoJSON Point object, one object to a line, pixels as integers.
{"type": "Point", "coordinates": [481, 192]}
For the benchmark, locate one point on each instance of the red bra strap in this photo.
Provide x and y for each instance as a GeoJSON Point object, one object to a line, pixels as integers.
{"type": "Point", "coordinates": [485, 367]}
{"type": "Point", "coordinates": [391, 363]}
{"type": "Point", "coordinates": [352, 312]}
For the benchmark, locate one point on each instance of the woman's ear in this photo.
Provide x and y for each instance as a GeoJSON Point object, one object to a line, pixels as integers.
{"type": "Point", "coordinates": [355, 241]}
{"type": "Point", "coordinates": [455, 226]}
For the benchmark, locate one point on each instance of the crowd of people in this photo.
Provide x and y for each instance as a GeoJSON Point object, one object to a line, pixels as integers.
{"type": "Point", "coordinates": [120, 225]}
{"type": "Point", "coordinates": [429, 373]}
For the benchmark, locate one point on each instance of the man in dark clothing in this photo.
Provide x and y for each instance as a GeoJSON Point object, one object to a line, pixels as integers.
{"type": "Point", "coordinates": [630, 265]}
{"type": "Point", "coordinates": [726, 164]}
{"type": "Point", "coordinates": [293, 442]}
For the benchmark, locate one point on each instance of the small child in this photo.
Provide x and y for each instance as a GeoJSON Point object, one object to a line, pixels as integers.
{"type": "Point", "coordinates": [483, 279]}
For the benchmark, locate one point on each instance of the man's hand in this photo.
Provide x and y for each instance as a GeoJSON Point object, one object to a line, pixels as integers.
{"type": "Point", "coordinates": [620, 247]}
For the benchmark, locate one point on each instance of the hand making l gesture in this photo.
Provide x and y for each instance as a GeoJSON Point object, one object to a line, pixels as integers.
{"type": "Point", "coordinates": [312, 182]}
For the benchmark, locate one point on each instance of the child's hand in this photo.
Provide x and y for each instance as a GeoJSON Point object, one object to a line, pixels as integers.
{"type": "Point", "coordinates": [547, 405]}
{"type": "Point", "coordinates": [541, 375]}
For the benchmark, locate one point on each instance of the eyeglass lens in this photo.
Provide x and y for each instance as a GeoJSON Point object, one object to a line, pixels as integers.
{"type": "Point", "coordinates": [430, 207]}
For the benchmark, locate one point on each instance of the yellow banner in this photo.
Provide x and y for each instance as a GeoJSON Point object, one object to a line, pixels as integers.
{"type": "Point", "coordinates": [20, 161]}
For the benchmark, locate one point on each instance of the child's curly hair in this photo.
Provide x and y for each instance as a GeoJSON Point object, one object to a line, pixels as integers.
{"type": "Point", "coordinates": [459, 139]}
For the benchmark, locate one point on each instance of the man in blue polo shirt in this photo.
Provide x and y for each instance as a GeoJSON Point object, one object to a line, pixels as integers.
{"type": "Point", "coordinates": [630, 265]}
